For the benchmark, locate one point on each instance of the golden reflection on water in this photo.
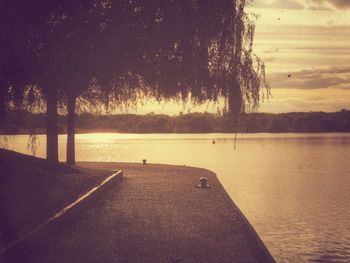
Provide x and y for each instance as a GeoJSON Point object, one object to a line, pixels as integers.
{"type": "Point", "coordinates": [104, 137]}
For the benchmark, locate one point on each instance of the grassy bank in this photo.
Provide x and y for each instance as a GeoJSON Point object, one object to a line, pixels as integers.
{"type": "Point", "coordinates": [31, 191]}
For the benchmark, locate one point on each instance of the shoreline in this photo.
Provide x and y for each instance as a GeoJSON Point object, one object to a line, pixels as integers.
{"type": "Point", "coordinates": [146, 133]}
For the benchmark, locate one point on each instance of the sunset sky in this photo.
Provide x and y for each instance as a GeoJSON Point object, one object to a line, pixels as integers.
{"type": "Point", "coordinates": [309, 39]}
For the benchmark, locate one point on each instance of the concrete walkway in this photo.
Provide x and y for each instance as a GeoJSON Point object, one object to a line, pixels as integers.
{"type": "Point", "coordinates": [155, 214]}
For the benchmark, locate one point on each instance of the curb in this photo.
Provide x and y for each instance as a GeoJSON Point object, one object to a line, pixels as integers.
{"type": "Point", "coordinates": [67, 212]}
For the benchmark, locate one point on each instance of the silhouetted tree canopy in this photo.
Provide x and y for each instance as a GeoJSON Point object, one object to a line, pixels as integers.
{"type": "Point", "coordinates": [116, 52]}
{"type": "Point", "coordinates": [172, 48]}
{"type": "Point", "coordinates": [15, 55]}
{"type": "Point", "coordinates": [203, 49]}
{"type": "Point", "coordinates": [181, 49]}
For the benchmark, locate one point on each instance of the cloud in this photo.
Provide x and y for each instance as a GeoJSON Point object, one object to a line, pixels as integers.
{"type": "Point", "coordinates": [282, 4]}
{"type": "Point", "coordinates": [319, 78]}
{"type": "Point", "coordinates": [269, 59]}
{"type": "Point", "coordinates": [303, 100]}
{"type": "Point", "coordinates": [340, 4]}
{"type": "Point", "coordinates": [302, 4]}
{"type": "Point", "coordinates": [271, 50]}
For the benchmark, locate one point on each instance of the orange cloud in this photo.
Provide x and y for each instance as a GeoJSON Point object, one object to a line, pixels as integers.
{"type": "Point", "coordinates": [301, 4]}
{"type": "Point", "coordinates": [319, 78]}
{"type": "Point", "coordinates": [340, 4]}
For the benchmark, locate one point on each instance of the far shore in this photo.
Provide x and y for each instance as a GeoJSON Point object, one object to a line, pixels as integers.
{"type": "Point", "coordinates": [24, 132]}
{"type": "Point", "coordinates": [197, 122]}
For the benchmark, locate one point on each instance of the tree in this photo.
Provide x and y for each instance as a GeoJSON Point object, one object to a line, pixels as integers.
{"type": "Point", "coordinates": [178, 49]}
{"type": "Point", "coordinates": [58, 30]}
{"type": "Point", "coordinates": [15, 56]}
{"type": "Point", "coordinates": [204, 50]}
{"type": "Point", "coordinates": [245, 71]}
{"type": "Point", "coordinates": [194, 49]}
{"type": "Point", "coordinates": [99, 55]}
{"type": "Point", "coordinates": [44, 27]}
{"type": "Point", "coordinates": [83, 21]}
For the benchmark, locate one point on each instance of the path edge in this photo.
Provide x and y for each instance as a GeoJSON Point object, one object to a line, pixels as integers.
{"type": "Point", "coordinates": [56, 221]}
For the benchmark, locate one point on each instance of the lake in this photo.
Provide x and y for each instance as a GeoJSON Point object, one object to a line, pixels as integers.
{"type": "Point", "coordinates": [293, 188]}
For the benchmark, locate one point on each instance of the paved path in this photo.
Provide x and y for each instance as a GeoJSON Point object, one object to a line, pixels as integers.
{"type": "Point", "coordinates": [155, 214]}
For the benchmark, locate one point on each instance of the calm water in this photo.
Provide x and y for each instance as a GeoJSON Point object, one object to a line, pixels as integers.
{"type": "Point", "coordinates": [293, 188]}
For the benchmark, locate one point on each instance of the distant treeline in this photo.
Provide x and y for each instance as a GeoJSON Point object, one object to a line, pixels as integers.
{"type": "Point", "coordinates": [24, 122]}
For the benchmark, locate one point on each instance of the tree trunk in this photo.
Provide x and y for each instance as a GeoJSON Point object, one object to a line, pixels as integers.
{"type": "Point", "coordinates": [71, 130]}
{"type": "Point", "coordinates": [51, 127]}
{"type": "Point", "coordinates": [235, 102]}
{"type": "Point", "coordinates": [2, 103]}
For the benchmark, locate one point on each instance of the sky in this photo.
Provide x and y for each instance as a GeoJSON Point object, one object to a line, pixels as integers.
{"type": "Point", "coordinates": [310, 40]}
{"type": "Point", "coordinates": [306, 39]}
